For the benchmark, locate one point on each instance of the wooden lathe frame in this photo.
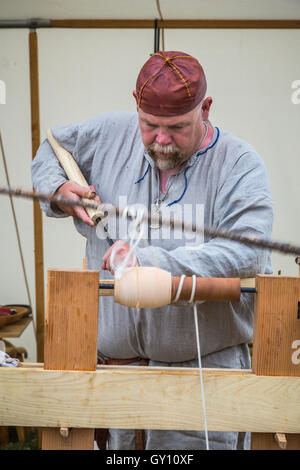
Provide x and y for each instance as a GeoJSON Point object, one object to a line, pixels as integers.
{"type": "Point", "coordinates": [70, 391]}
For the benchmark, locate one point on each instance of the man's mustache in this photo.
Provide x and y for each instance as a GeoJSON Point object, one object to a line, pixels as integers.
{"type": "Point", "coordinates": [158, 148]}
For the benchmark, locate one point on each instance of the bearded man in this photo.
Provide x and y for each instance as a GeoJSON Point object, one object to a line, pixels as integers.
{"type": "Point", "coordinates": [170, 159]}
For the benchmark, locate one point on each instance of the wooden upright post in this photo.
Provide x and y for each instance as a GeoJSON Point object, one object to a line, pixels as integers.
{"type": "Point", "coordinates": [37, 213]}
{"type": "Point", "coordinates": [276, 335]}
{"type": "Point", "coordinates": [71, 342]}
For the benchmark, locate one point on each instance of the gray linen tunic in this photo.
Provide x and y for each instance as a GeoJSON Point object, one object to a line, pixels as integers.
{"type": "Point", "coordinates": [223, 186]}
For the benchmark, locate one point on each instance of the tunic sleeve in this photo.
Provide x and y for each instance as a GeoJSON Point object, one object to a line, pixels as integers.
{"type": "Point", "coordinates": [80, 139]}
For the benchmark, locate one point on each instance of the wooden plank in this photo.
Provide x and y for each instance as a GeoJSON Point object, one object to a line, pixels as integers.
{"type": "Point", "coordinates": [276, 326]}
{"type": "Point", "coordinates": [263, 441]}
{"type": "Point", "coordinates": [37, 213]}
{"type": "Point", "coordinates": [229, 24]}
{"type": "Point", "coordinates": [71, 340]}
{"type": "Point", "coordinates": [4, 436]}
{"type": "Point", "coordinates": [98, 23]}
{"type": "Point", "coordinates": [14, 330]}
{"type": "Point", "coordinates": [78, 439]}
{"type": "Point", "coordinates": [149, 398]}
{"type": "Point", "coordinates": [276, 340]}
{"type": "Point", "coordinates": [71, 320]}
{"type": "Point", "coordinates": [176, 24]}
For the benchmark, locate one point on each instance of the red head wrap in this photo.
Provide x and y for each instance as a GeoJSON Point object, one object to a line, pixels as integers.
{"type": "Point", "coordinates": [170, 83]}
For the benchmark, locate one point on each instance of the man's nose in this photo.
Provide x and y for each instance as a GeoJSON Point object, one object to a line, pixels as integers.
{"type": "Point", "coordinates": [163, 138]}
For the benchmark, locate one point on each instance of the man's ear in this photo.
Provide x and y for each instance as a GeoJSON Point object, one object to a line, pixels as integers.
{"type": "Point", "coordinates": [206, 108]}
{"type": "Point", "coordinates": [136, 100]}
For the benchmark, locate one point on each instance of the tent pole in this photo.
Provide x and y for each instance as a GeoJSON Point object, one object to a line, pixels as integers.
{"type": "Point", "coordinates": [37, 213]}
{"type": "Point", "coordinates": [148, 23]}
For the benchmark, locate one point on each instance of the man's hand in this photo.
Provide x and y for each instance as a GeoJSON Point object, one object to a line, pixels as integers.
{"type": "Point", "coordinates": [122, 250]}
{"type": "Point", "coordinates": [75, 192]}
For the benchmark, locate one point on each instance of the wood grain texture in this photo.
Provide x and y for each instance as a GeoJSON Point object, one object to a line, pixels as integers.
{"type": "Point", "coordinates": [37, 213]}
{"type": "Point", "coordinates": [268, 442]}
{"type": "Point", "coordinates": [276, 331]}
{"type": "Point", "coordinates": [4, 435]}
{"type": "Point", "coordinates": [14, 330]}
{"type": "Point", "coordinates": [78, 439]}
{"type": "Point", "coordinates": [71, 320]}
{"type": "Point", "coordinates": [71, 340]}
{"type": "Point", "coordinates": [276, 326]}
{"type": "Point", "coordinates": [177, 24]}
{"type": "Point", "coordinates": [149, 398]}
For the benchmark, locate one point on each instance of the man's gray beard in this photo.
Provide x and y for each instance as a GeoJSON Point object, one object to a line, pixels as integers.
{"type": "Point", "coordinates": [171, 160]}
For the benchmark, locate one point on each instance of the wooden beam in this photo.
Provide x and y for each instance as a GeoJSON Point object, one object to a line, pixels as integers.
{"type": "Point", "coordinates": [106, 24]}
{"type": "Point", "coordinates": [71, 342]}
{"type": "Point", "coordinates": [276, 331]}
{"type": "Point", "coordinates": [37, 213]}
{"type": "Point", "coordinates": [270, 441]}
{"type": "Point", "coordinates": [229, 24]}
{"type": "Point", "coordinates": [149, 398]}
{"type": "Point", "coordinates": [276, 325]}
{"type": "Point", "coordinates": [176, 24]}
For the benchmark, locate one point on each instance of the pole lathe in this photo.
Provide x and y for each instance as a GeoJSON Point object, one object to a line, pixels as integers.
{"type": "Point", "coordinates": [70, 391]}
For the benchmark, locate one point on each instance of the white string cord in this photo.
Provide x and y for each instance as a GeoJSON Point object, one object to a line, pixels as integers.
{"type": "Point", "coordinates": [136, 234]}
{"type": "Point", "coordinates": [179, 288]}
{"type": "Point", "coordinates": [154, 258]}
{"type": "Point", "coordinates": [198, 346]}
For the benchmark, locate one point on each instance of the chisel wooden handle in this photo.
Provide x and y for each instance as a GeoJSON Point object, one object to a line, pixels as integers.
{"type": "Point", "coordinates": [73, 172]}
